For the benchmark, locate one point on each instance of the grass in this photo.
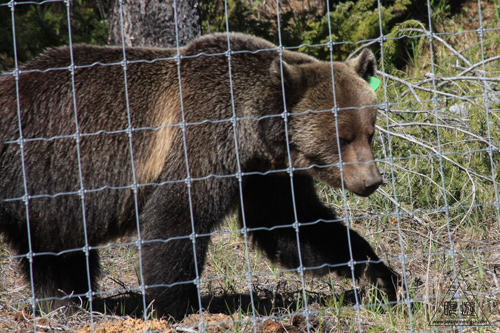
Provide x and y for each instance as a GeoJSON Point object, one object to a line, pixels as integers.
{"type": "Point", "coordinates": [436, 219]}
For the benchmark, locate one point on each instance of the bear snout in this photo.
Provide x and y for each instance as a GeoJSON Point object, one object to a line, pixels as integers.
{"type": "Point", "coordinates": [371, 184]}
{"type": "Point", "coordinates": [362, 179]}
{"type": "Point", "coordinates": [365, 187]}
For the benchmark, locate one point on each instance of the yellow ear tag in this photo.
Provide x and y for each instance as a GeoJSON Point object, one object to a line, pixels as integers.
{"type": "Point", "coordinates": [374, 83]}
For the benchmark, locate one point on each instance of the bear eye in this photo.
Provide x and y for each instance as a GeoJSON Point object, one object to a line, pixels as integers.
{"type": "Point", "coordinates": [343, 142]}
{"type": "Point", "coordinates": [370, 137]}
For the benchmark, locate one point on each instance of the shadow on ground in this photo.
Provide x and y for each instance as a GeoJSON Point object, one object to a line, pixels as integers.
{"type": "Point", "coordinates": [266, 304]}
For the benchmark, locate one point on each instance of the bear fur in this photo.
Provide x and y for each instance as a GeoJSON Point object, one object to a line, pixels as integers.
{"type": "Point", "coordinates": [93, 147]}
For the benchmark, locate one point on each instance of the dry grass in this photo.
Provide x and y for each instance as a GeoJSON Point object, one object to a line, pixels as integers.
{"type": "Point", "coordinates": [278, 296]}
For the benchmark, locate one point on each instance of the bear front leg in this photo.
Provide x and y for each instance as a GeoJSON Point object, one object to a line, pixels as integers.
{"type": "Point", "coordinates": [175, 224]}
{"type": "Point", "coordinates": [169, 263]}
{"type": "Point", "coordinates": [326, 245]}
{"type": "Point", "coordinates": [169, 272]}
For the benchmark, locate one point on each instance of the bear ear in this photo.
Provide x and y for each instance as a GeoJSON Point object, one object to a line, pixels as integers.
{"type": "Point", "coordinates": [365, 64]}
{"type": "Point", "coordinates": [290, 74]}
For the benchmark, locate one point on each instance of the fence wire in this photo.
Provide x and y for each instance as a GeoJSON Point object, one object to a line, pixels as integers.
{"type": "Point", "coordinates": [435, 220]}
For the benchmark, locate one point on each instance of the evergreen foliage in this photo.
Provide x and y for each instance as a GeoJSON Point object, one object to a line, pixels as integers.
{"type": "Point", "coordinates": [342, 26]}
{"type": "Point", "coordinates": [44, 25]}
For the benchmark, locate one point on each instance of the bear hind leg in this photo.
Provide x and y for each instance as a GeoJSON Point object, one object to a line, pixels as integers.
{"type": "Point", "coordinates": [62, 279]}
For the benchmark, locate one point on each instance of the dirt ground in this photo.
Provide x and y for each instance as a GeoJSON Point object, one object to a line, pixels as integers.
{"type": "Point", "coordinates": [122, 312]}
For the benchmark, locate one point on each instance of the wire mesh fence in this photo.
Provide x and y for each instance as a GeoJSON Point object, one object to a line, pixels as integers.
{"type": "Point", "coordinates": [213, 181]}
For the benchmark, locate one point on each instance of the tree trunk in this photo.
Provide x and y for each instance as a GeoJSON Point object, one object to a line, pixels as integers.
{"type": "Point", "coordinates": [152, 22]}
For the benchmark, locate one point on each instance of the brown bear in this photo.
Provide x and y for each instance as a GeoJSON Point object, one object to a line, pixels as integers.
{"type": "Point", "coordinates": [99, 142]}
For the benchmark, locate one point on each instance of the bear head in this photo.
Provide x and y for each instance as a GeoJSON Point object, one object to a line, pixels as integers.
{"type": "Point", "coordinates": [332, 125]}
